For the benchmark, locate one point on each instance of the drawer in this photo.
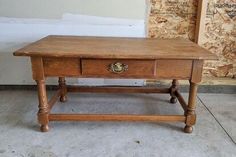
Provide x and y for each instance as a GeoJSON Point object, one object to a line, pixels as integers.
{"type": "Point", "coordinates": [118, 68]}
{"type": "Point", "coordinates": [61, 66]}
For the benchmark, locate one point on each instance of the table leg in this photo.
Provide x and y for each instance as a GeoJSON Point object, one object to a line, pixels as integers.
{"type": "Point", "coordinates": [190, 113]}
{"type": "Point", "coordinates": [43, 106]}
{"type": "Point", "coordinates": [173, 88]}
{"type": "Point", "coordinates": [62, 86]}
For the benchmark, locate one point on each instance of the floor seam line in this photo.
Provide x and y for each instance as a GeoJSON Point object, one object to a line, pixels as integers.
{"type": "Point", "coordinates": [216, 119]}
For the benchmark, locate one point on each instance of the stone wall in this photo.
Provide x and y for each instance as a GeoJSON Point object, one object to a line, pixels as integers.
{"type": "Point", "coordinates": [177, 19]}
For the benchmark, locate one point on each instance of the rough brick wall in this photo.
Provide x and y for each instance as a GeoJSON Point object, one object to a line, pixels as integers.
{"type": "Point", "coordinates": [177, 19]}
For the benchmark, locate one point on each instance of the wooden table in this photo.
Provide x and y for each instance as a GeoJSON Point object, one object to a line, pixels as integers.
{"type": "Point", "coordinates": [106, 57]}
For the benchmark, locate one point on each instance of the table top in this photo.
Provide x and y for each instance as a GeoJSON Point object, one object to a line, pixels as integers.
{"type": "Point", "coordinates": [114, 47]}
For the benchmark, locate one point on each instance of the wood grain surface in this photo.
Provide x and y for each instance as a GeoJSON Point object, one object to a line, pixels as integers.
{"type": "Point", "coordinates": [114, 47]}
{"type": "Point", "coordinates": [136, 68]}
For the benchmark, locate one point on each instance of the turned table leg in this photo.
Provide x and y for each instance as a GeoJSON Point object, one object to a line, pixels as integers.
{"type": "Point", "coordinates": [62, 86]}
{"type": "Point", "coordinates": [190, 113]}
{"type": "Point", "coordinates": [43, 106]}
{"type": "Point", "coordinates": [173, 88]}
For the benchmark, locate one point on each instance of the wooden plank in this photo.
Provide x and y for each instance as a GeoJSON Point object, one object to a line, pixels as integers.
{"type": "Point", "coordinates": [54, 98]}
{"type": "Point", "coordinates": [174, 69]}
{"type": "Point", "coordinates": [200, 23]}
{"type": "Point", "coordinates": [197, 71]}
{"type": "Point", "coordinates": [37, 68]}
{"type": "Point", "coordinates": [116, 89]}
{"type": "Point", "coordinates": [118, 117]}
{"type": "Point", "coordinates": [115, 48]}
{"type": "Point", "coordinates": [181, 101]}
{"type": "Point", "coordinates": [60, 67]}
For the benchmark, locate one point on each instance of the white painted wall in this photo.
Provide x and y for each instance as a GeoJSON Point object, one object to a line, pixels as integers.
{"type": "Point", "coordinates": [54, 9]}
{"type": "Point", "coordinates": [15, 33]}
{"type": "Point", "coordinates": [23, 22]}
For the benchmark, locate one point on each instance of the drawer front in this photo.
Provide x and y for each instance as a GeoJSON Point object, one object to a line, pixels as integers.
{"type": "Point", "coordinates": [118, 68]}
{"type": "Point", "coordinates": [61, 66]}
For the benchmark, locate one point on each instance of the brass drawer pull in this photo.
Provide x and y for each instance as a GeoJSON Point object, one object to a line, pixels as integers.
{"type": "Point", "coordinates": [118, 67]}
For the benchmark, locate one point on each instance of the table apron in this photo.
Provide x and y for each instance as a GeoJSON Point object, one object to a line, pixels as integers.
{"type": "Point", "coordinates": [136, 69]}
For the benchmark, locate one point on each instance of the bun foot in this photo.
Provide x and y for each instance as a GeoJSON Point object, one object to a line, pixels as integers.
{"type": "Point", "coordinates": [63, 99]}
{"type": "Point", "coordinates": [44, 128]}
{"type": "Point", "coordinates": [173, 100]}
{"type": "Point", "coordinates": [188, 129]}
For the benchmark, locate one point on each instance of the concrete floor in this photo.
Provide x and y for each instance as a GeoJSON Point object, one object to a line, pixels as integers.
{"type": "Point", "coordinates": [214, 134]}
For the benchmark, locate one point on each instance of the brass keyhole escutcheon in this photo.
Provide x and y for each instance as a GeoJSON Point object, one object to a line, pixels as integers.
{"type": "Point", "coordinates": [118, 67]}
